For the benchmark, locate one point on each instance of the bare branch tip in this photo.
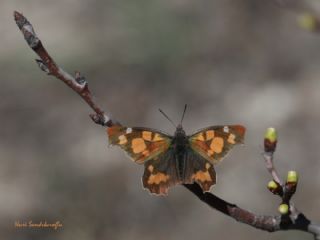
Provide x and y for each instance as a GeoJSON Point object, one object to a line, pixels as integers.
{"type": "Point", "coordinates": [27, 30]}
{"type": "Point", "coordinates": [17, 15]}
{"type": "Point", "coordinates": [20, 19]}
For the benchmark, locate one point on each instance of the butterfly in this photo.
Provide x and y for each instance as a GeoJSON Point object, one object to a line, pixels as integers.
{"type": "Point", "coordinates": [178, 159]}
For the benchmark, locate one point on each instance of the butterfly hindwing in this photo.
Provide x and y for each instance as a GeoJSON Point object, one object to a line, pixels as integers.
{"type": "Point", "coordinates": [213, 143]}
{"type": "Point", "coordinates": [198, 169]}
{"type": "Point", "coordinates": [161, 173]}
{"type": "Point", "coordinates": [141, 144]}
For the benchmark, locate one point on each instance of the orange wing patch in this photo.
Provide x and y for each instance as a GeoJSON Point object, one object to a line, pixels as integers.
{"type": "Point", "coordinates": [157, 178]}
{"type": "Point", "coordinates": [202, 176]}
{"type": "Point", "coordinates": [209, 135]}
{"type": "Point", "coordinates": [146, 135]}
{"type": "Point", "coordinates": [138, 145]}
{"type": "Point", "coordinates": [200, 137]}
{"type": "Point", "coordinates": [216, 145]}
{"type": "Point", "coordinates": [231, 139]}
{"type": "Point", "coordinates": [155, 181]}
{"type": "Point", "coordinates": [122, 139]}
{"type": "Point", "coordinates": [206, 178]}
{"type": "Point", "coordinates": [157, 137]}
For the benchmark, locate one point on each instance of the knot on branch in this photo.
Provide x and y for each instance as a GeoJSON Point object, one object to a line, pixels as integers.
{"type": "Point", "coordinates": [80, 79]}
{"type": "Point", "coordinates": [43, 66]}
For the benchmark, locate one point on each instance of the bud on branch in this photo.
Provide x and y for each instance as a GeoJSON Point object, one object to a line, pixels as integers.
{"type": "Point", "coordinates": [270, 140]}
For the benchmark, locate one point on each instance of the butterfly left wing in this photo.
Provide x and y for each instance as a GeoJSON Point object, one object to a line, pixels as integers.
{"type": "Point", "coordinates": [198, 169]}
{"type": "Point", "coordinates": [213, 143]}
{"type": "Point", "coordinates": [141, 144]}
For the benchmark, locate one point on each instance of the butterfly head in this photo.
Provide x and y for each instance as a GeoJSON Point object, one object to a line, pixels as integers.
{"type": "Point", "coordinates": [180, 131]}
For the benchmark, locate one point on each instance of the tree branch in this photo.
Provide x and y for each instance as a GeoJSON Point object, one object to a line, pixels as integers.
{"type": "Point", "coordinates": [263, 222]}
{"type": "Point", "coordinates": [292, 220]}
{"type": "Point", "coordinates": [78, 83]}
{"type": "Point", "coordinates": [266, 223]}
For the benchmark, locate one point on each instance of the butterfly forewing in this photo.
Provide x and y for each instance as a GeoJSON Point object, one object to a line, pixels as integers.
{"type": "Point", "coordinates": [213, 143]}
{"type": "Point", "coordinates": [141, 144]}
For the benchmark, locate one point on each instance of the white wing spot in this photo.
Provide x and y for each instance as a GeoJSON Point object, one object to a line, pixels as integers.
{"type": "Point", "coordinates": [129, 130]}
{"type": "Point", "coordinates": [226, 129]}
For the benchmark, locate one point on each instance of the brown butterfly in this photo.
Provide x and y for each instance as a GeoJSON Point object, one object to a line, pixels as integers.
{"type": "Point", "coordinates": [178, 159]}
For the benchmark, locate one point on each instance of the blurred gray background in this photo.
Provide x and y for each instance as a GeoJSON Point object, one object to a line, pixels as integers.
{"type": "Point", "coordinates": [244, 61]}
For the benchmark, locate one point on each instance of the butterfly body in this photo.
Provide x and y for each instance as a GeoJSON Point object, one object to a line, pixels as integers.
{"type": "Point", "coordinates": [178, 159]}
{"type": "Point", "coordinates": [180, 144]}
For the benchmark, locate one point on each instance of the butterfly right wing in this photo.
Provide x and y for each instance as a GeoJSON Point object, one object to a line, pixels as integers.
{"type": "Point", "coordinates": [141, 144]}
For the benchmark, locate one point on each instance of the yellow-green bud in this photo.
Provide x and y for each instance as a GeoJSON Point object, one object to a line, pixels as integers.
{"type": "Point", "coordinates": [292, 177]}
{"type": "Point", "coordinates": [283, 209]}
{"type": "Point", "coordinates": [272, 185]}
{"type": "Point", "coordinates": [271, 134]}
{"type": "Point", "coordinates": [307, 21]}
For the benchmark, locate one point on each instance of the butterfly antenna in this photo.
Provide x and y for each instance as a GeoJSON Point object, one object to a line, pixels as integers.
{"type": "Point", "coordinates": [184, 111]}
{"type": "Point", "coordinates": [167, 117]}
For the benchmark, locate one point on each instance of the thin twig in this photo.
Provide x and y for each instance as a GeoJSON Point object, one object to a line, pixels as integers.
{"type": "Point", "coordinates": [268, 158]}
{"type": "Point", "coordinates": [48, 65]}
{"type": "Point", "coordinates": [80, 85]}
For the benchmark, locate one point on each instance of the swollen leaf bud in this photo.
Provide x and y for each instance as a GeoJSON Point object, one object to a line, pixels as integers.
{"type": "Point", "coordinates": [275, 187]}
{"type": "Point", "coordinates": [270, 140]}
{"type": "Point", "coordinates": [292, 177]}
{"type": "Point", "coordinates": [272, 185]}
{"type": "Point", "coordinates": [271, 134]}
{"type": "Point", "coordinates": [283, 209]}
